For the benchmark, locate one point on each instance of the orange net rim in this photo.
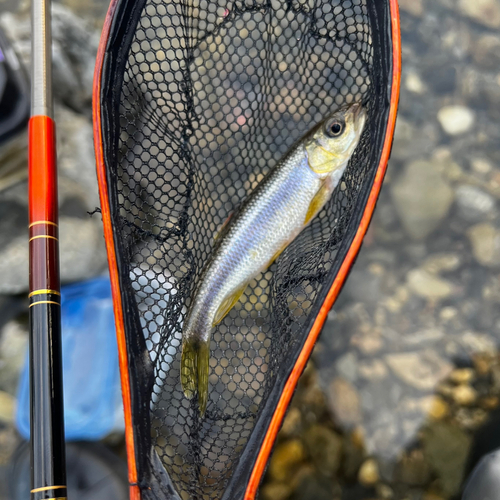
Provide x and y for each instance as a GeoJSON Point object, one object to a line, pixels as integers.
{"type": "Point", "coordinates": [291, 383]}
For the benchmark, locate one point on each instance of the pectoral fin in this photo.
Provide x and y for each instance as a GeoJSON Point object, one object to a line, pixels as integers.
{"type": "Point", "coordinates": [227, 305]}
{"type": "Point", "coordinates": [317, 203]}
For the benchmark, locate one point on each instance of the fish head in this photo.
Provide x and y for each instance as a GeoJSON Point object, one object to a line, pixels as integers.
{"type": "Point", "coordinates": [332, 142]}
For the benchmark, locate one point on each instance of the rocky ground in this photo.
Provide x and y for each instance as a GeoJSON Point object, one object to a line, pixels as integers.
{"type": "Point", "coordinates": [403, 391]}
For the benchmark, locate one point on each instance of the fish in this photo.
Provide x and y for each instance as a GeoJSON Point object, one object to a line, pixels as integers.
{"type": "Point", "coordinates": [253, 237]}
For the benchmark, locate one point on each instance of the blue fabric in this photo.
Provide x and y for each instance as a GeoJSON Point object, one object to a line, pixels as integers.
{"type": "Point", "coordinates": [92, 397]}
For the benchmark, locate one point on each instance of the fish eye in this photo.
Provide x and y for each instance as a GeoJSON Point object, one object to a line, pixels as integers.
{"type": "Point", "coordinates": [335, 128]}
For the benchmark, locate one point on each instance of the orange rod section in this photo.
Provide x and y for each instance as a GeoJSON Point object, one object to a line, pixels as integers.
{"type": "Point", "coordinates": [43, 210]}
{"type": "Point", "coordinates": [291, 383]}
{"type": "Point", "coordinates": [135, 493]}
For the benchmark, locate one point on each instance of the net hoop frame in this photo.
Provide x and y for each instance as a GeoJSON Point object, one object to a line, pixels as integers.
{"type": "Point", "coordinates": [291, 383]}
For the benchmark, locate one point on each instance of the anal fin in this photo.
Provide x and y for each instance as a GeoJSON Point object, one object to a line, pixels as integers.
{"type": "Point", "coordinates": [227, 304]}
{"type": "Point", "coordinates": [195, 370]}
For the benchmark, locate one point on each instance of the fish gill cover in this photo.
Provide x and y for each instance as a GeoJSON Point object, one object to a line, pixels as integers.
{"type": "Point", "coordinates": [199, 100]}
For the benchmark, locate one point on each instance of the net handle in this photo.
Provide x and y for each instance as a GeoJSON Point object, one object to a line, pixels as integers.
{"type": "Point", "coordinates": [48, 460]}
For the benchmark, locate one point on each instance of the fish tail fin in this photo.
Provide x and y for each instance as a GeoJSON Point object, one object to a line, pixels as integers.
{"type": "Point", "coordinates": [195, 369]}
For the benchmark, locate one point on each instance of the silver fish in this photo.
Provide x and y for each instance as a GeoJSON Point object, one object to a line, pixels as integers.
{"type": "Point", "coordinates": [280, 207]}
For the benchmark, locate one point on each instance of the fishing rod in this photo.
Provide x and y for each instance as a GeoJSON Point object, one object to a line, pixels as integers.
{"type": "Point", "coordinates": [48, 461]}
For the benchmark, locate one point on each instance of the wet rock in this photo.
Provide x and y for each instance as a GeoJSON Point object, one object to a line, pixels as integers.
{"type": "Point", "coordinates": [368, 473]}
{"type": "Point", "coordinates": [427, 285]}
{"type": "Point", "coordinates": [485, 241]}
{"type": "Point", "coordinates": [344, 402]}
{"type": "Point", "coordinates": [422, 370]}
{"type": "Point", "coordinates": [446, 448]}
{"type": "Point", "coordinates": [325, 449]}
{"type": "Point", "coordinates": [285, 459]}
{"type": "Point", "coordinates": [441, 262]}
{"type": "Point", "coordinates": [474, 204]}
{"type": "Point", "coordinates": [486, 52]}
{"type": "Point", "coordinates": [456, 120]}
{"type": "Point", "coordinates": [422, 198]}
{"type": "Point", "coordinates": [486, 12]}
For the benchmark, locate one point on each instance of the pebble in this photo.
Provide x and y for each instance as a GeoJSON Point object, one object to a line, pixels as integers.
{"type": "Point", "coordinates": [285, 460]}
{"type": "Point", "coordinates": [446, 448]}
{"type": "Point", "coordinates": [486, 52]}
{"type": "Point", "coordinates": [485, 241]}
{"type": "Point", "coordinates": [276, 491]}
{"type": "Point", "coordinates": [422, 198]}
{"type": "Point", "coordinates": [292, 422]}
{"type": "Point", "coordinates": [456, 119]}
{"type": "Point", "coordinates": [464, 395]}
{"type": "Point", "coordinates": [414, 83]}
{"type": "Point", "coordinates": [422, 370]}
{"type": "Point", "coordinates": [373, 369]}
{"type": "Point", "coordinates": [481, 165]}
{"type": "Point", "coordinates": [462, 375]}
{"type": "Point", "coordinates": [442, 262]}
{"type": "Point", "coordinates": [486, 12]}
{"type": "Point", "coordinates": [344, 402]}
{"type": "Point", "coordinates": [438, 408]}
{"type": "Point", "coordinates": [473, 203]}
{"type": "Point", "coordinates": [325, 449]}
{"type": "Point", "coordinates": [427, 285]}
{"type": "Point", "coordinates": [368, 473]}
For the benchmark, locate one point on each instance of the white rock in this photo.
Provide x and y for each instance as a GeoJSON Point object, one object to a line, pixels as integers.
{"type": "Point", "coordinates": [485, 241]}
{"type": "Point", "coordinates": [486, 12]}
{"type": "Point", "coordinates": [456, 119]}
{"type": "Point", "coordinates": [422, 198]}
{"type": "Point", "coordinates": [473, 203]}
{"type": "Point", "coordinates": [414, 83]}
{"type": "Point", "coordinates": [422, 370]}
{"type": "Point", "coordinates": [428, 286]}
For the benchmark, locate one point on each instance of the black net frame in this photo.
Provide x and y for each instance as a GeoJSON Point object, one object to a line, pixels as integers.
{"type": "Point", "coordinates": [173, 175]}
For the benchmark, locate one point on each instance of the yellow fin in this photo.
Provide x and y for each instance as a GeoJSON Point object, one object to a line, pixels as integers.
{"type": "Point", "coordinates": [189, 361]}
{"type": "Point", "coordinates": [195, 369]}
{"type": "Point", "coordinates": [227, 305]}
{"type": "Point", "coordinates": [317, 202]}
{"type": "Point", "coordinates": [203, 371]}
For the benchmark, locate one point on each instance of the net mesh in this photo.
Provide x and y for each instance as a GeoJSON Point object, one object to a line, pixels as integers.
{"type": "Point", "coordinates": [213, 94]}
